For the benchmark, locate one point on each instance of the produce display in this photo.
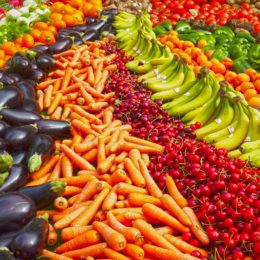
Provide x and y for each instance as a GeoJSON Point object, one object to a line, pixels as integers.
{"type": "Point", "coordinates": [129, 135]}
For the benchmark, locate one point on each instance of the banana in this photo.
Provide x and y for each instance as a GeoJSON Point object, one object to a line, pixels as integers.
{"type": "Point", "coordinates": [256, 163]}
{"type": "Point", "coordinates": [250, 146]}
{"type": "Point", "coordinates": [240, 132]}
{"type": "Point", "coordinates": [251, 156]}
{"type": "Point", "coordinates": [235, 153]}
{"type": "Point", "coordinates": [191, 115]}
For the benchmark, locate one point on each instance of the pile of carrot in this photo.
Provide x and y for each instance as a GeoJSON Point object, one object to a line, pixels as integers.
{"type": "Point", "coordinates": [111, 207]}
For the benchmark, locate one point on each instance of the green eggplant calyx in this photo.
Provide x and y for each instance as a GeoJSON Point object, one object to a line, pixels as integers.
{"type": "Point", "coordinates": [45, 216]}
{"type": "Point", "coordinates": [34, 162]}
{"type": "Point", "coordinates": [30, 54]}
{"type": "Point", "coordinates": [58, 186]}
{"type": "Point", "coordinates": [3, 177]}
{"type": "Point", "coordinates": [6, 161]}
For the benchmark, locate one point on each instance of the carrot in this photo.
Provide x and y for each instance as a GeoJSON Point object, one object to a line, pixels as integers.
{"type": "Point", "coordinates": [184, 246]}
{"type": "Point", "coordinates": [100, 216]}
{"type": "Point", "coordinates": [71, 96]}
{"type": "Point", "coordinates": [76, 141]}
{"type": "Point", "coordinates": [56, 85]}
{"type": "Point", "coordinates": [61, 65]}
{"type": "Point", "coordinates": [152, 187]}
{"type": "Point", "coordinates": [131, 215]}
{"type": "Point", "coordinates": [114, 239]}
{"type": "Point", "coordinates": [122, 128]}
{"type": "Point", "coordinates": [106, 164]}
{"type": "Point", "coordinates": [132, 235]}
{"type": "Point", "coordinates": [108, 117]}
{"type": "Point", "coordinates": [72, 88]}
{"type": "Point", "coordinates": [143, 142]}
{"type": "Point", "coordinates": [145, 158]}
{"type": "Point", "coordinates": [174, 192]}
{"type": "Point", "coordinates": [78, 181]}
{"type": "Point", "coordinates": [87, 97]}
{"type": "Point", "coordinates": [86, 216]}
{"type": "Point", "coordinates": [156, 213]}
{"type": "Point", "coordinates": [91, 156]}
{"type": "Point", "coordinates": [45, 84]}
{"type": "Point", "coordinates": [80, 126]}
{"type": "Point", "coordinates": [135, 155]}
{"type": "Point", "coordinates": [126, 146]}
{"type": "Point", "coordinates": [45, 168]}
{"type": "Point", "coordinates": [165, 230]}
{"type": "Point", "coordinates": [57, 170]}
{"type": "Point", "coordinates": [71, 190]}
{"type": "Point", "coordinates": [66, 167]}
{"type": "Point", "coordinates": [68, 219]}
{"type": "Point", "coordinates": [195, 227]}
{"type": "Point", "coordinates": [65, 113]}
{"type": "Point", "coordinates": [40, 98]}
{"type": "Point", "coordinates": [52, 236]}
{"type": "Point", "coordinates": [77, 159]}
{"type": "Point", "coordinates": [152, 235]}
{"type": "Point", "coordinates": [109, 201]}
{"type": "Point", "coordinates": [108, 97]}
{"type": "Point", "coordinates": [86, 172]}
{"type": "Point", "coordinates": [86, 146]}
{"type": "Point", "coordinates": [64, 54]}
{"type": "Point", "coordinates": [56, 115]}
{"type": "Point", "coordinates": [88, 238]}
{"type": "Point", "coordinates": [71, 232]}
{"type": "Point", "coordinates": [39, 181]}
{"type": "Point", "coordinates": [124, 210]}
{"type": "Point", "coordinates": [111, 67]}
{"type": "Point", "coordinates": [99, 86]}
{"type": "Point", "coordinates": [47, 96]}
{"type": "Point", "coordinates": [135, 252]}
{"type": "Point", "coordinates": [138, 200]}
{"type": "Point", "coordinates": [74, 131]}
{"type": "Point", "coordinates": [60, 203]}
{"type": "Point", "coordinates": [54, 256]}
{"type": "Point", "coordinates": [55, 103]}
{"type": "Point", "coordinates": [95, 251]}
{"type": "Point", "coordinates": [134, 174]}
{"type": "Point", "coordinates": [125, 189]}
{"type": "Point", "coordinates": [112, 254]}
{"type": "Point", "coordinates": [67, 78]}
{"type": "Point", "coordinates": [113, 140]}
{"type": "Point", "coordinates": [91, 78]}
{"type": "Point", "coordinates": [101, 152]}
{"type": "Point", "coordinates": [97, 106]}
{"type": "Point", "coordinates": [50, 213]}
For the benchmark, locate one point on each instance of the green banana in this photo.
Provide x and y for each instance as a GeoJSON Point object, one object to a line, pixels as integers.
{"type": "Point", "coordinates": [250, 146]}
{"type": "Point", "coordinates": [251, 156]}
{"type": "Point", "coordinates": [235, 153]}
{"type": "Point", "coordinates": [191, 115]}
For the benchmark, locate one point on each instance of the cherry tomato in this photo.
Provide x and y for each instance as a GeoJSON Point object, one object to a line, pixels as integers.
{"type": "Point", "coordinates": [179, 9]}
{"type": "Point", "coordinates": [257, 28]}
{"type": "Point", "coordinates": [175, 17]}
{"type": "Point", "coordinates": [189, 4]}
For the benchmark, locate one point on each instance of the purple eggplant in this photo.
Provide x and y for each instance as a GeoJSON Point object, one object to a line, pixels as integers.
{"type": "Point", "coordinates": [38, 75]}
{"type": "Point", "coordinates": [79, 28]}
{"type": "Point", "coordinates": [16, 211]}
{"type": "Point", "coordinates": [11, 97]}
{"type": "Point", "coordinates": [16, 77]}
{"type": "Point", "coordinates": [32, 239]}
{"type": "Point", "coordinates": [21, 64]}
{"type": "Point", "coordinates": [19, 117]}
{"type": "Point", "coordinates": [78, 42]}
{"type": "Point", "coordinates": [96, 26]}
{"type": "Point", "coordinates": [6, 80]}
{"type": "Point", "coordinates": [46, 63]}
{"type": "Point", "coordinates": [19, 157]}
{"type": "Point", "coordinates": [36, 51]}
{"type": "Point", "coordinates": [5, 254]}
{"type": "Point", "coordinates": [54, 128]}
{"type": "Point", "coordinates": [60, 46]}
{"type": "Point", "coordinates": [30, 105]}
{"type": "Point", "coordinates": [40, 147]}
{"type": "Point", "coordinates": [18, 177]}
{"type": "Point", "coordinates": [20, 137]}
{"type": "Point", "coordinates": [110, 13]}
{"type": "Point", "coordinates": [27, 88]}
{"type": "Point", "coordinates": [7, 238]}
{"type": "Point", "coordinates": [3, 128]}
{"type": "Point", "coordinates": [3, 144]}
{"type": "Point", "coordinates": [43, 195]}
{"type": "Point", "coordinates": [91, 35]}
{"type": "Point", "coordinates": [90, 20]}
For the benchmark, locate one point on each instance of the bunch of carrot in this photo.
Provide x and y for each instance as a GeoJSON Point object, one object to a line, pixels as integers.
{"type": "Point", "coordinates": [111, 206]}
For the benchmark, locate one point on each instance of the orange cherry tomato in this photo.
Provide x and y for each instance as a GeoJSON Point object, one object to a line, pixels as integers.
{"type": "Point", "coordinates": [6, 45]}
{"type": "Point", "coordinates": [47, 37]}
{"type": "Point", "coordinates": [41, 25]}
{"type": "Point", "coordinates": [56, 16]}
{"type": "Point", "coordinates": [59, 24]}
{"type": "Point", "coordinates": [2, 54]}
{"type": "Point", "coordinates": [52, 29]}
{"type": "Point", "coordinates": [35, 33]}
{"type": "Point", "coordinates": [11, 50]}
{"type": "Point", "coordinates": [19, 40]}
{"type": "Point", "coordinates": [28, 41]}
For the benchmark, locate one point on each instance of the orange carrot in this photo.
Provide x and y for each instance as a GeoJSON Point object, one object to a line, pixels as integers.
{"type": "Point", "coordinates": [76, 141]}
{"type": "Point", "coordinates": [126, 146]}
{"type": "Point", "coordinates": [138, 200]}
{"type": "Point", "coordinates": [152, 187]}
{"type": "Point", "coordinates": [156, 213]}
{"type": "Point", "coordinates": [125, 189]}
{"type": "Point", "coordinates": [195, 227]}
{"type": "Point", "coordinates": [60, 203]}
{"type": "Point", "coordinates": [114, 239]}
{"type": "Point", "coordinates": [135, 252]}
{"type": "Point", "coordinates": [131, 215]}
{"type": "Point", "coordinates": [39, 181]}
{"type": "Point", "coordinates": [56, 85]}
{"type": "Point", "coordinates": [47, 96]}
{"type": "Point", "coordinates": [67, 78]}
{"type": "Point", "coordinates": [95, 251]}
{"type": "Point", "coordinates": [52, 236]}
{"type": "Point", "coordinates": [106, 164]}
{"type": "Point", "coordinates": [45, 84]}
{"type": "Point", "coordinates": [145, 158]}
{"type": "Point", "coordinates": [112, 254]}
{"type": "Point", "coordinates": [100, 85]}
{"type": "Point", "coordinates": [132, 235]}
{"type": "Point", "coordinates": [88, 238]}
{"type": "Point", "coordinates": [64, 54]}
{"type": "Point", "coordinates": [57, 170]}
{"type": "Point", "coordinates": [91, 156]}
{"type": "Point", "coordinates": [56, 115]}
{"type": "Point", "coordinates": [66, 167]}
{"type": "Point", "coordinates": [54, 103]}
{"type": "Point", "coordinates": [135, 155]}
{"type": "Point", "coordinates": [124, 210]}
{"type": "Point", "coordinates": [111, 67]}
{"type": "Point", "coordinates": [100, 216]}
{"type": "Point", "coordinates": [166, 230]}
{"type": "Point", "coordinates": [101, 152]}
{"type": "Point", "coordinates": [45, 168]}
{"type": "Point", "coordinates": [80, 126]}
{"type": "Point", "coordinates": [71, 190]}
{"type": "Point", "coordinates": [72, 88]}
{"type": "Point", "coordinates": [91, 78]}
{"type": "Point", "coordinates": [88, 98]}
{"type": "Point", "coordinates": [184, 246]}
{"type": "Point", "coordinates": [78, 181]}
{"type": "Point", "coordinates": [84, 218]}
{"type": "Point", "coordinates": [134, 174]}
{"type": "Point", "coordinates": [50, 213]}
{"type": "Point", "coordinates": [65, 113]}
{"type": "Point", "coordinates": [71, 232]}
{"type": "Point", "coordinates": [80, 101]}
{"type": "Point", "coordinates": [40, 97]}
{"type": "Point", "coordinates": [113, 140]}
{"type": "Point", "coordinates": [108, 117]}
{"type": "Point", "coordinates": [86, 146]}
{"type": "Point", "coordinates": [86, 172]}
{"type": "Point", "coordinates": [54, 256]}
{"type": "Point", "coordinates": [76, 159]}
{"type": "Point", "coordinates": [174, 192]}
{"type": "Point", "coordinates": [97, 106]}
{"type": "Point", "coordinates": [109, 201]}
{"type": "Point", "coordinates": [117, 176]}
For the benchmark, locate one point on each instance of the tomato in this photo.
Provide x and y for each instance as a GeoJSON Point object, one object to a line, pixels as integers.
{"type": "Point", "coordinates": [222, 21]}
{"type": "Point", "coordinates": [257, 28]}
{"type": "Point", "coordinates": [166, 11]}
{"type": "Point", "coordinates": [179, 9]}
{"type": "Point", "coordinates": [189, 4]}
{"type": "Point", "coordinates": [171, 6]}
{"type": "Point", "coordinates": [175, 17]}
{"type": "Point", "coordinates": [157, 4]}
{"type": "Point", "coordinates": [242, 14]}
{"type": "Point", "coordinates": [28, 41]}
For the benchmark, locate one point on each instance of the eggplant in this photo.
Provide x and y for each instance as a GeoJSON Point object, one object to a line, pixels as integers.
{"type": "Point", "coordinates": [78, 42]}
{"type": "Point", "coordinates": [19, 138]}
{"type": "Point", "coordinates": [36, 51]}
{"type": "Point", "coordinates": [1, 74]}
{"type": "Point", "coordinates": [18, 177]}
{"type": "Point", "coordinates": [54, 128]}
{"type": "Point", "coordinates": [15, 77]}
{"type": "Point", "coordinates": [5, 254]}
{"type": "Point", "coordinates": [110, 13]}
{"type": "Point", "coordinates": [69, 34]}
{"type": "Point", "coordinates": [21, 64]}
{"type": "Point", "coordinates": [43, 195]}
{"type": "Point", "coordinates": [3, 144]}
{"type": "Point", "coordinates": [32, 239]}
{"type": "Point", "coordinates": [19, 157]}
{"type": "Point", "coordinates": [60, 46]}
{"type": "Point", "coordinates": [91, 35]}
{"type": "Point", "coordinates": [11, 97]}
{"type": "Point", "coordinates": [46, 63]}
{"type": "Point", "coordinates": [16, 211]}
{"type": "Point", "coordinates": [79, 28]}
{"type": "Point", "coordinates": [19, 117]}
{"type": "Point", "coordinates": [38, 75]}
{"type": "Point", "coordinates": [27, 88]}
{"type": "Point", "coordinates": [6, 161]}
{"type": "Point", "coordinates": [108, 27]}
{"type": "Point", "coordinates": [91, 19]}
{"type": "Point", "coordinates": [30, 105]}
{"type": "Point", "coordinates": [40, 147]}
{"type": "Point", "coordinates": [96, 26]}
{"type": "Point", "coordinates": [6, 80]}
{"type": "Point", "coordinates": [3, 128]}
{"type": "Point", "coordinates": [7, 238]}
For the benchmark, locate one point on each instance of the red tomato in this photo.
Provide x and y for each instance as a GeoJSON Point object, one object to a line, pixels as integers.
{"type": "Point", "coordinates": [243, 14]}
{"type": "Point", "coordinates": [222, 21]}
{"type": "Point", "coordinates": [257, 28]}
{"type": "Point", "coordinates": [189, 4]}
{"type": "Point", "coordinates": [175, 17]}
{"type": "Point", "coordinates": [179, 9]}
{"type": "Point", "coordinates": [157, 4]}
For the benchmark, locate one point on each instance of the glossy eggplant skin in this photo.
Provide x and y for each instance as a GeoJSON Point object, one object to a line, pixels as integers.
{"type": "Point", "coordinates": [54, 128]}
{"type": "Point", "coordinates": [18, 117]}
{"type": "Point", "coordinates": [78, 42]}
{"type": "Point", "coordinates": [90, 20]}
{"type": "Point", "coordinates": [46, 63]}
{"type": "Point", "coordinates": [43, 195]}
{"type": "Point", "coordinates": [19, 157]}
{"type": "Point", "coordinates": [3, 144]}
{"type": "Point", "coordinates": [79, 28]}
{"type": "Point", "coordinates": [60, 46]}
{"type": "Point", "coordinates": [15, 77]}
{"type": "Point", "coordinates": [3, 128]}
{"type": "Point", "coordinates": [6, 239]}
{"type": "Point", "coordinates": [19, 138]}
{"type": "Point", "coordinates": [38, 75]}
{"type": "Point", "coordinates": [21, 64]}
{"type": "Point", "coordinates": [110, 13]}
{"type": "Point", "coordinates": [5, 254]}
{"type": "Point", "coordinates": [40, 49]}
{"type": "Point", "coordinates": [18, 177]}
{"type": "Point", "coordinates": [6, 80]}
{"type": "Point", "coordinates": [27, 88]}
{"type": "Point", "coordinates": [11, 97]}
{"type": "Point", "coordinates": [31, 240]}
{"type": "Point", "coordinates": [30, 105]}
{"type": "Point", "coordinates": [40, 147]}
{"type": "Point", "coordinates": [96, 26]}
{"type": "Point", "coordinates": [16, 211]}
{"type": "Point", "coordinates": [91, 35]}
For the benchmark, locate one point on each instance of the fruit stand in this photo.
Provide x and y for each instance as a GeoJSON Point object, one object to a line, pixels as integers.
{"type": "Point", "coordinates": [129, 129]}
